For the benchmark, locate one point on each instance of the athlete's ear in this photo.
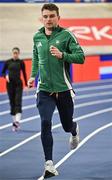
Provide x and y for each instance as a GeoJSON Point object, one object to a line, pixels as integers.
{"type": "Point", "coordinates": [58, 17]}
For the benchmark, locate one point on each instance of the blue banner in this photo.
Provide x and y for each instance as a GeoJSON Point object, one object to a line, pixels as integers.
{"type": "Point", "coordinates": [53, 1]}
{"type": "Point", "coordinates": [1, 67]}
{"type": "Point", "coordinates": [10, 1]}
{"type": "Point", "coordinates": [22, 1]}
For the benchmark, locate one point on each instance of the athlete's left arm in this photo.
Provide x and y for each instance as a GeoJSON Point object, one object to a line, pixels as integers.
{"type": "Point", "coordinates": [75, 53]}
{"type": "Point", "coordinates": [23, 68]}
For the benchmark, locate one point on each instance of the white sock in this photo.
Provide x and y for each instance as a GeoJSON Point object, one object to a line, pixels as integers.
{"type": "Point", "coordinates": [18, 117]}
{"type": "Point", "coordinates": [14, 118]}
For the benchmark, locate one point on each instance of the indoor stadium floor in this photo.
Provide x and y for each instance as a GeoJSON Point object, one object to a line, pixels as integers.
{"type": "Point", "coordinates": [21, 154]}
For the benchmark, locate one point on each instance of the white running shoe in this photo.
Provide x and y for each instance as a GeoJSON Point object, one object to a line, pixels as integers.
{"type": "Point", "coordinates": [15, 126]}
{"type": "Point", "coordinates": [50, 170]}
{"type": "Point", "coordinates": [74, 140]}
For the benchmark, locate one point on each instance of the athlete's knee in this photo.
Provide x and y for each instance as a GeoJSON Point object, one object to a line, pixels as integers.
{"type": "Point", "coordinates": [45, 125]}
{"type": "Point", "coordinates": [67, 129]}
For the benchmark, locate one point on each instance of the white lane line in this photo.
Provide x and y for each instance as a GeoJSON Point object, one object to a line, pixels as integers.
{"type": "Point", "coordinates": [76, 106]}
{"type": "Point", "coordinates": [54, 127]}
{"type": "Point", "coordinates": [35, 117]}
{"type": "Point", "coordinates": [19, 144]}
{"type": "Point", "coordinates": [90, 84]}
{"type": "Point", "coordinates": [77, 96]}
{"type": "Point", "coordinates": [94, 95]}
{"type": "Point", "coordinates": [93, 103]}
{"type": "Point", "coordinates": [82, 143]}
{"type": "Point", "coordinates": [93, 114]}
{"type": "Point", "coordinates": [75, 88]}
{"type": "Point", "coordinates": [94, 88]}
{"type": "Point", "coordinates": [25, 141]}
{"type": "Point", "coordinates": [24, 97]}
{"type": "Point", "coordinates": [25, 91]}
{"type": "Point", "coordinates": [24, 107]}
{"type": "Point", "coordinates": [23, 121]}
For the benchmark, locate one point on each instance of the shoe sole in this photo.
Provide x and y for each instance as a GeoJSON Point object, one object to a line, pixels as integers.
{"type": "Point", "coordinates": [49, 174]}
{"type": "Point", "coordinates": [15, 129]}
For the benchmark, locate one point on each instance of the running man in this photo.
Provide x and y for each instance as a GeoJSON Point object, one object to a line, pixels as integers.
{"type": "Point", "coordinates": [55, 48]}
{"type": "Point", "coordinates": [12, 72]}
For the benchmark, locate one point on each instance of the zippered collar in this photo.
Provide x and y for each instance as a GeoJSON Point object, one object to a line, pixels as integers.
{"type": "Point", "coordinates": [55, 29]}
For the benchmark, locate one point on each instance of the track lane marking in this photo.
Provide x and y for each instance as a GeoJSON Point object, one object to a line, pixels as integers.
{"type": "Point", "coordinates": [87, 138]}
{"type": "Point", "coordinates": [82, 143]}
{"type": "Point", "coordinates": [76, 106]}
{"type": "Point", "coordinates": [78, 89]}
{"type": "Point", "coordinates": [54, 127]}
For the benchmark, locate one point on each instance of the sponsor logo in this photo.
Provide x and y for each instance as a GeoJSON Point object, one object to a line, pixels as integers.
{"type": "Point", "coordinates": [57, 42]}
{"type": "Point", "coordinates": [97, 34]}
{"type": "Point", "coordinates": [39, 44]}
{"type": "Point", "coordinates": [90, 31]}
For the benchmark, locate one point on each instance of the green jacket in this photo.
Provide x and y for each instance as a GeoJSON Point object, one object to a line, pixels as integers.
{"type": "Point", "coordinates": [54, 74]}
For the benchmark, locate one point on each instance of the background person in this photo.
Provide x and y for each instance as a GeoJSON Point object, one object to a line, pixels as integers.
{"type": "Point", "coordinates": [12, 72]}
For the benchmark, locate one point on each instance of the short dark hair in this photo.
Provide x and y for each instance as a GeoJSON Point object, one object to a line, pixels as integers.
{"type": "Point", "coordinates": [16, 48]}
{"type": "Point", "coordinates": [50, 7]}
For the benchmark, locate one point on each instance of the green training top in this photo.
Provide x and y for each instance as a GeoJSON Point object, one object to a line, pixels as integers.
{"type": "Point", "coordinates": [54, 74]}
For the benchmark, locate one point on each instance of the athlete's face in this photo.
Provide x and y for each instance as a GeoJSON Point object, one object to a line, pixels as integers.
{"type": "Point", "coordinates": [50, 18]}
{"type": "Point", "coordinates": [15, 54]}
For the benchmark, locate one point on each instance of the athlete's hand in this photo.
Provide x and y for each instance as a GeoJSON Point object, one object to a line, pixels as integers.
{"type": "Point", "coordinates": [31, 82]}
{"type": "Point", "coordinates": [7, 78]}
{"type": "Point", "coordinates": [56, 52]}
{"type": "Point", "coordinates": [26, 88]}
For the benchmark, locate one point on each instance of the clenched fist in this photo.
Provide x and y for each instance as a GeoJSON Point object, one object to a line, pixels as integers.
{"type": "Point", "coordinates": [56, 52]}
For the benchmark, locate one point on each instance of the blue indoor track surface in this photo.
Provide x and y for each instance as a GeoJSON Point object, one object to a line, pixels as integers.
{"type": "Point", "coordinates": [21, 154]}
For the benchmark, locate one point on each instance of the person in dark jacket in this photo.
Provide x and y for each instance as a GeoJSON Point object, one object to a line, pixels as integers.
{"type": "Point", "coordinates": [55, 48]}
{"type": "Point", "coordinates": [12, 72]}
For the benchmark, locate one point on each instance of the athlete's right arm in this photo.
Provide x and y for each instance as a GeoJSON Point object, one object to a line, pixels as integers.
{"type": "Point", "coordinates": [4, 71]}
{"type": "Point", "coordinates": [30, 82]}
{"type": "Point", "coordinates": [5, 67]}
{"type": "Point", "coordinates": [34, 71]}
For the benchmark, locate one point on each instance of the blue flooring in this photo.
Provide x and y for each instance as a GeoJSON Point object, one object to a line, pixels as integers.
{"type": "Point", "coordinates": [93, 161]}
